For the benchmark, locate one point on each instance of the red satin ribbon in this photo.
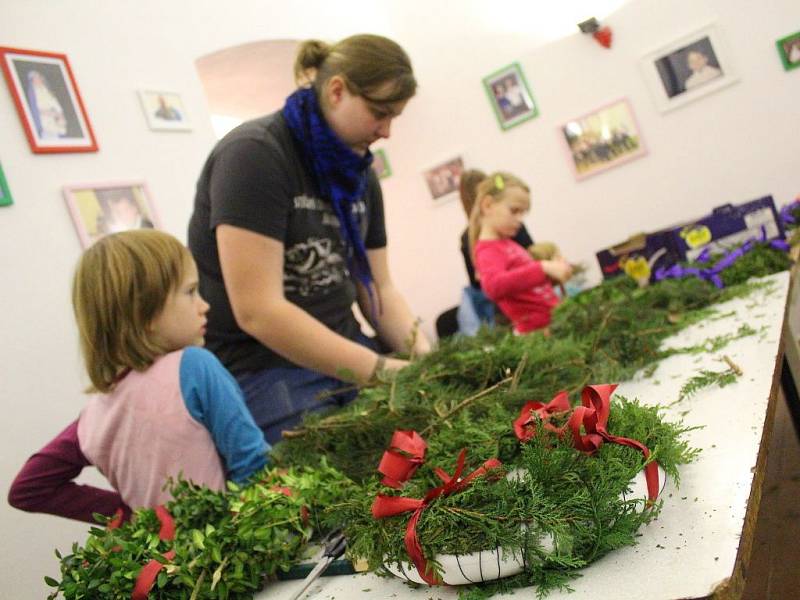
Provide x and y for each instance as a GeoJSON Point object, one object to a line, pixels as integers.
{"type": "Point", "coordinates": [405, 454]}
{"type": "Point", "coordinates": [593, 416]}
{"type": "Point", "coordinates": [525, 425]}
{"type": "Point", "coordinates": [389, 506]}
{"type": "Point", "coordinates": [147, 576]}
{"type": "Point", "coordinates": [116, 520]}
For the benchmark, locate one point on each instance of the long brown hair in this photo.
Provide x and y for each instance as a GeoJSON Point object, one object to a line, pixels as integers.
{"type": "Point", "coordinates": [366, 62]}
{"type": "Point", "coordinates": [468, 188]}
{"type": "Point", "coordinates": [121, 284]}
{"type": "Point", "coordinates": [493, 186]}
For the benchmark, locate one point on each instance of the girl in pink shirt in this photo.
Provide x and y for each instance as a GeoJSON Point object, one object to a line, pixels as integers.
{"type": "Point", "coordinates": [160, 405]}
{"type": "Point", "coordinates": [519, 285]}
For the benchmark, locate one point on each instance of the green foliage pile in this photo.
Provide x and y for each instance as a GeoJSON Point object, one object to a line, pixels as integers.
{"type": "Point", "coordinates": [226, 543]}
{"type": "Point", "coordinates": [467, 392]}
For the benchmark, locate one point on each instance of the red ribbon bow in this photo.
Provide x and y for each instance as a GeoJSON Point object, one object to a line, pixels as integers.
{"type": "Point", "coordinates": [389, 506]}
{"type": "Point", "coordinates": [405, 454]}
{"type": "Point", "coordinates": [525, 425]}
{"type": "Point", "coordinates": [593, 415]}
{"type": "Point", "coordinates": [147, 576]}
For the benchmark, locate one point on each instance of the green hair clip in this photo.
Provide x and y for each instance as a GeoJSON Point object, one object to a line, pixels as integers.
{"type": "Point", "coordinates": [499, 183]}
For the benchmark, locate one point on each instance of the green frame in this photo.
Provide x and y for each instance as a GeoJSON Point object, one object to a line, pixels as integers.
{"type": "Point", "coordinates": [5, 193]}
{"type": "Point", "coordinates": [787, 65]}
{"type": "Point", "coordinates": [531, 108]}
{"type": "Point", "coordinates": [387, 168]}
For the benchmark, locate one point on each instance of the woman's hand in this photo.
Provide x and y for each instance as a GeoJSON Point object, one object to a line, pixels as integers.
{"type": "Point", "coordinates": [394, 364]}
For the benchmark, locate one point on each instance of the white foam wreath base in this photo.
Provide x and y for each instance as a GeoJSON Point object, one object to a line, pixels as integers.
{"type": "Point", "coordinates": [488, 565]}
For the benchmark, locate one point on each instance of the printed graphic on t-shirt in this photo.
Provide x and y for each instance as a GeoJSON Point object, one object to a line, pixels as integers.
{"type": "Point", "coordinates": [316, 264]}
{"type": "Point", "coordinates": [312, 266]}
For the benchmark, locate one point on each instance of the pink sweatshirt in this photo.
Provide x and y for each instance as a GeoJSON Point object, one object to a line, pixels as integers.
{"type": "Point", "coordinates": [513, 280]}
{"type": "Point", "coordinates": [185, 414]}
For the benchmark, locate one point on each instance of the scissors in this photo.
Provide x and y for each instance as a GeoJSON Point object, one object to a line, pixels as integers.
{"type": "Point", "coordinates": [334, 548]}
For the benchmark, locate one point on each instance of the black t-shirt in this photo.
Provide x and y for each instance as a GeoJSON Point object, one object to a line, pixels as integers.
{"type": "Point", "coordinates": [523, 238]}
{"type": "Point", "coordinates": [255, 179]}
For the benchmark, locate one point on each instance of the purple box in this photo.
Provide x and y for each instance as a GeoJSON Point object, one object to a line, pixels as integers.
{"type": "Point", "coordinates": [639, 256]}
{"type": "Point", "coordinates": [728, 226]}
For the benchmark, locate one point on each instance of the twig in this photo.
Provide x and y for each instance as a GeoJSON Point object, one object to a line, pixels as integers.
{"type": "Point", "coordinates": [392, 389]}
{"type": "Point", "coordinates": [734, 367]}
{"type": "Point", "coordinates": [324, 395]}
{"type": "Point", "coordinates": [465, 402]}
{"type": "Point", "coordinates": [197, 585]}
{"type": "Point", "coordinates": [518, 372]}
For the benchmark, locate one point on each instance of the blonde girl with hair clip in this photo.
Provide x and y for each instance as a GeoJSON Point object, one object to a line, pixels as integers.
{"type": "Point", "coordinates": [160, 405]}
{"type": "Point", "coordinates": [519, 285]}
{"type": "Point", "coordinates": [288, 232]}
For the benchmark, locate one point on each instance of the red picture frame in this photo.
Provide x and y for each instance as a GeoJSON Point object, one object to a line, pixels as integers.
{"type": "Point", "coordinates": [48, 101]}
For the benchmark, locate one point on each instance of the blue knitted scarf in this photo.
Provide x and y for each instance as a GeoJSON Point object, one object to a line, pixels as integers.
{"type": "Point", "coordinates": [340, 174]}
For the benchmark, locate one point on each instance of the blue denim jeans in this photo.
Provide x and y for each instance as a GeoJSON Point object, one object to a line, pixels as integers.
{"type": "Point", "coordinates": [278, 398]}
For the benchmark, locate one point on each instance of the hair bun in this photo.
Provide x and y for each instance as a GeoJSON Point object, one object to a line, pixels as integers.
{"type": "Point", "coordinates": [312, 53]}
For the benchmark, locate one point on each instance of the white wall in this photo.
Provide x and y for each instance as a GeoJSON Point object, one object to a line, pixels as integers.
{"type": "Point", "coordinates": [735, 145]}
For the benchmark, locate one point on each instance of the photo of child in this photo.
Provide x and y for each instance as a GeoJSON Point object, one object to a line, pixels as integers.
{"type": "Point", "coordinates": [98, 211]}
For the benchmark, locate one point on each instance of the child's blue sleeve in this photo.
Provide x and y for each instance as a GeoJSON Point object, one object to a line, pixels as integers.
{"type": "Point", "coordinates": [213, 397]}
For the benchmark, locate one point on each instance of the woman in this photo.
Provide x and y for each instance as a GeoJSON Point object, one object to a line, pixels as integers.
{"type": "Point", "coordinates": [288, 232]}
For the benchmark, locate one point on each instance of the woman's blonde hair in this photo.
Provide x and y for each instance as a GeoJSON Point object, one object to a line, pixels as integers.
{"type": "Point", "coordinates": [121, 284]}
{"type": "Point", "coordinates": [366, 62]}
{"type": "Point", "coordinates": [494, 186]}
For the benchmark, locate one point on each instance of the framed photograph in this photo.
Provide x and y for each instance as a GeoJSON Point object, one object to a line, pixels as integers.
{"type": "Point", "coordinates": [510, 96]}
{"type": "Point", "coordinates": [789, 49]}
{"type": "Point", "coordinates": [98, 209]}
{"type": "Point", "coordinates": [603, 138]}
{"type": "Point", "coordinates": [5, 193]}
{"type": "Point", "coordinates": [164, 111]}
{"type": "Point", "coordinates": [380, 164]}
{"type": "Point", "coordinates": [47, 100]}
{"type": "Point", "coordinates": [693, 66]}
{"type": "Point", "coordinates": [443, 179]}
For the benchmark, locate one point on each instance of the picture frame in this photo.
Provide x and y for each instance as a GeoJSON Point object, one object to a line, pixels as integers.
{"type": "Point", "coordinates": [444, 179]}
{"type": "Point", "coordinates": [380, 164]}
{"type": "Point", "coordinates": [510, 96]}
{"type": "Point", "coordinates": [789, 50]}
{"type": "Point", "coordinates": [98, 209]}
{"type": "Point", "coordinates": [602, 139]}
{"type": "Point", "coordinates": [5, 194]}
{"type": "Point", "coordinates": [47, 100]}
{"type": "Point", "coordinates": [164, 111]}
{"type": "Point", "coordinates": [688, 68]}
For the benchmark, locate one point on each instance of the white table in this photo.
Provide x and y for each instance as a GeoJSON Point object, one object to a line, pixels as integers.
{"type": "Point", "coordinates": [700, 543]}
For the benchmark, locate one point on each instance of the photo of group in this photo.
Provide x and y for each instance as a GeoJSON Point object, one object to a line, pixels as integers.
{"type": "Point", "coordinates": [47, 100]}
{"type": "Point", "coordinates": [603, 139]}
{"type": "Point", "coordinates": [789, 49]}
{"type": "Point", "coordinates": [444, 179]}
{"type": "Point", "coordinates": [688, 68]}
{"type": "Point", "coordinates": [164, 110]}
{"type": "Point", "coordinates": [510, 97]}
{"type": "Point", "coordinates": [100, 209]}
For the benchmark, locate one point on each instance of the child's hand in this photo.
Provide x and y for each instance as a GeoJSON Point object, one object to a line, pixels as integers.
{"type": "Point", "coordinates": [558, 269]}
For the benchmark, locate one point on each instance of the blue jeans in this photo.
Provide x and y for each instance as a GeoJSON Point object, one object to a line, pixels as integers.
{"type": "Point", "coordinates": [278, 398]}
